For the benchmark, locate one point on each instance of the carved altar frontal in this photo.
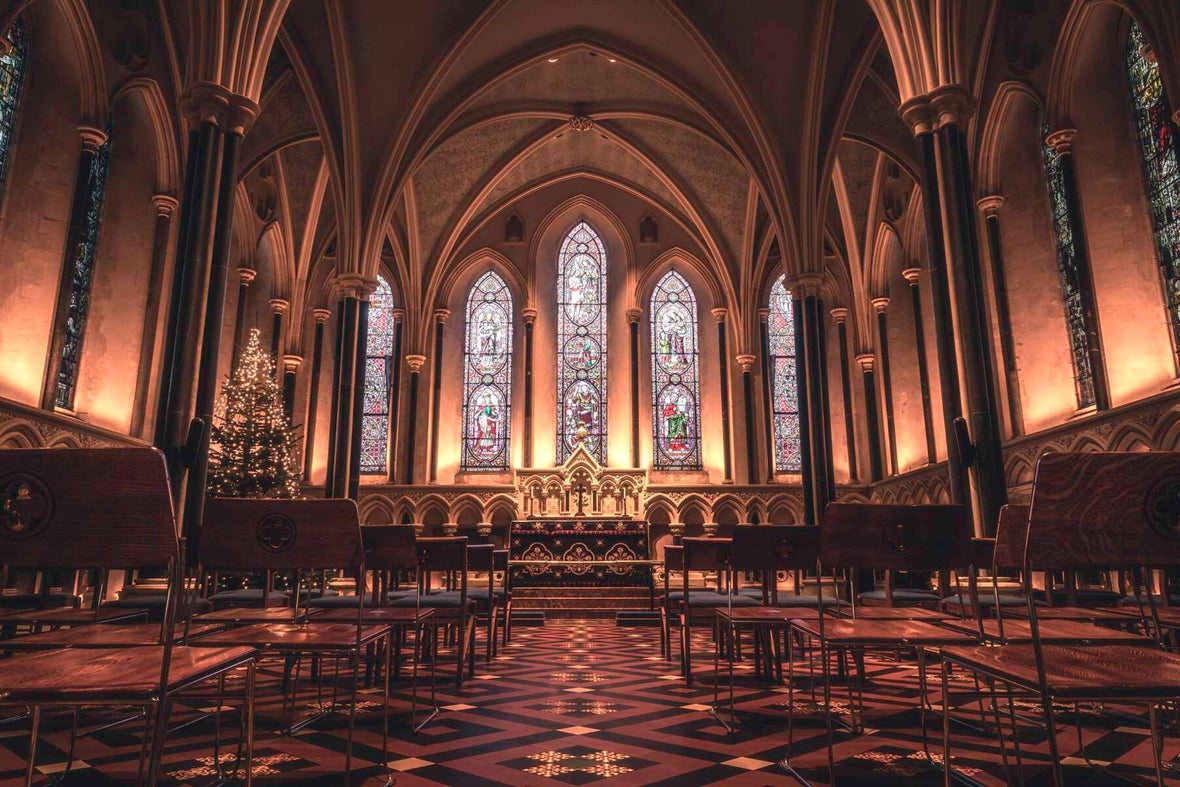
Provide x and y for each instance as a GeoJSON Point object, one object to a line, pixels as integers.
{"type": "Point", "coordinates": [592, 553]}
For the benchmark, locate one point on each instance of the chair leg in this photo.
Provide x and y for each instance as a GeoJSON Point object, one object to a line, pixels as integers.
{"type": "Point", "coordinates": [250, 676]}
{"type": "Point", "coordinates": [159, 735]}
{"type": "Point", "coordinates": [686, 648]}
{"type": "Point", "coordinates": [34, 730]}
{"type": "Point", "coordinates": [351, 716]}
{"type": "Point", "coordinates": [1051, 730]}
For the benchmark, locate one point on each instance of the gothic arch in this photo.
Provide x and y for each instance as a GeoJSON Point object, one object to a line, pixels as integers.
{"type": "Point", "coordinates": [147, 93]}
{"type": "Point", "coordinates": [485, 258]}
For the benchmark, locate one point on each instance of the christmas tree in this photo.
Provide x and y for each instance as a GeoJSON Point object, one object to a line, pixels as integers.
{"type": "Point", "coordinates": [253, 448]}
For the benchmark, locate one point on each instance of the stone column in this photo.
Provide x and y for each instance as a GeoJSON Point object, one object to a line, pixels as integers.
{"type": "Point", "coordinates": [278, 308]}
{"type": "Point", "coordinates": [872, 425]}
{"type": "Point", "coordinates": [814, 410]}
{"type": "Point", "coordinates": [840, 315]}
{"type": "Point", "coordinates": [723, 375]}
{"type": "Point", "coordinates": [530, 319]}
{"type": "Point", "coordinates": [767, 392]}
{"type": "Point", "coordinates": [746, 361]}
{"type": "Point", "coordinates": [395, 389]}
{"type": "Point", "coordinates": [912, 277]}
{"type": "Point", "coordinates": [633, 316]}
{"type": "Point", "coordinates": [92, 140]}
{"type": "Point", "coordinates": [990, 207]}
{"type": "Point", "coordinates": [1062, 142]}
{"type": "Point", "coordinates": [165, 205]}
{"type": "Point", "coordinates": [245, 276]}
{"type": "Point", "coordinates": [317, 360]}
{"type": "Point", "coordinates": [440, 320]}
{"type": "Point", "coordinates": [802, 401]}
{"type": "Point", "coordinates": [348, 384]}
{"type": "Point", "coordinates": [291, 364]}
{"type": "Point", "coordinates": [450, 528]}
{"type": "Point", "coordinates": [881, 304]}
{"type": "Point", "coordinates": [950, 230]}
{"type": "Point", "coordinates": [414, 362]}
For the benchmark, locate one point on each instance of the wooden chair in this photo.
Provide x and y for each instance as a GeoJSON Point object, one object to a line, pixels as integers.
{"type": "Point", "coordinates": [81, 508]}
{"type": "Point", "coordinates": [453, 609]}
{"type": "Point", "coordinates": [705, 554]}
{"type": "Point", "coordinates": [1104, 511]}
{"type": "Point", "coordinates": [294, 535]}
{"type": "Point", "coordinates": [667, 601]}
{"type": "Point", "coordinates": [489, 600]}
{"type": "Point", "coordinates": [860, 536]}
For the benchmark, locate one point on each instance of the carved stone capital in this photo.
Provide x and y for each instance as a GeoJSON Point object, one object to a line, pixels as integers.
{"type": "Point", "coordinates": [719, 314]}
{"type": "Point", "coordinates": [207, 102]}
{"type": "Point", "coordinates": [840, 315]}
{"type": "Point", "coordinates": [247, 275]}
{"type": "Point", "coordinates": [442, 315]}
{"type": "Point", "coordinates": [165, 204]}
{"type": "Point", "coordinates": [880, 304]}
{"type": "Point", "coordinates": [399, 314]}
{"type": "Point", "coordinates": [802, 285]}
{"type": "Point", "coordinates": [450, 528]}
{"type": "Point", "coordinates": [918, 115]}
{"type": "Point", "coordinates": [484, 529]}
{"type": "Point", "coordinates": [529, 315]}
{"type": "Point", "coordinates": [291, 363]}
{"type": "Point", "coordinates": [952, 105]}
{"type": "Point", "coordinates": [763, 314]}
{"type": "Point", "coordinates": [634, 315]}
{"type": "Point", "coordinates": [354, 285]}
{"type": "Point", "coordinates": [279, 305]}
{"type": "Point", "coordinates": [866, 361]}
{"type": "Point", "coordinates": [990, 204]}
{"type": "Point", "coordinates": [710, 529]}
{"type": "Point", "coordinates": [92, 138]}
{"type": "Point", "coordinates": [1061, 140]}
{"type": "Point", "coordinates": [746, 361]}
{"type": "Point", "coordinates": [321, 315]}
{"type": "Point", "coordinates": [415, 362]}
{"type": "Point", "coordinates": [912, 275]}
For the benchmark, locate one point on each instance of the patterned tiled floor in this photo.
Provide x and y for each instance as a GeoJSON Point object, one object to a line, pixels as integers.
{"type": "Point", "coordinates": [585, 702]}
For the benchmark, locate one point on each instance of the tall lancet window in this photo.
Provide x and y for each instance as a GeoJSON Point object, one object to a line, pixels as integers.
{"type": "Point", "coordinates": [12, 79]}
{"type": "Point", "coordinates": [581, 344]}
{"type": "Point", "coordinates": [82, 259]}
{"type": "Point", "coordinates": [379, 373]}
{"type": "Point", "coordinates": [1157, 148]}
{"type": "Point", "coordinates": [675, 375]}
{"type": "Point", "coordinates": [487, 375]}
{"type": "Point", "coordinates": [1069, 274]}
{"type": "Point", "coordinates": [784, 383]}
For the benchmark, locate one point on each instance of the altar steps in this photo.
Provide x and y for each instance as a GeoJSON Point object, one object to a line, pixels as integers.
{"type": "Point", "coordinates": [580, 602]}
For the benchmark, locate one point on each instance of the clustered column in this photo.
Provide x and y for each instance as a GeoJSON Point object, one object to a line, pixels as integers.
{"type": "Point", "coordinates": [840, 315]}
{"type": "Point", "coordinates": [912, 276]}
{"type": "Point", "coordinates": [867, 362]}
{"type": "Point", "coordinates": [881, 304]}
{"type": "Point", "coordinates": [344, 433]}
{"type": "Point", "coordinates": [245, 276]}
{"type": "Point", "coordinates": [990, 206]}
{"type": "Point", "coordinates": [165, 205]}
{"type": "Point", "coordinates": [317, 363]}
{"type": "Point", "coordinates": [814, 407]}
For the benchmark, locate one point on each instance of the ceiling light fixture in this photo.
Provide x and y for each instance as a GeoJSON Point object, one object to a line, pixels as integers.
{"type": "Point", "coordinates": [552, 60]}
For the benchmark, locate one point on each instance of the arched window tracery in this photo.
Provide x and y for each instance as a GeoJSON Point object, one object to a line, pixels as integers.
{"type": "Point", "coordinates": [581, 343]}
{"type": "Point", "coordinates": [12, 80]}
{"type": "Point", "coordinates": [1157, 134]}
{"type": "Point", "coordinates": [379, 373]}
{"type": "Point", "coordinates": [487, 375]}
{"type": "Point", "coordinates": [675, 375]}
{"type": "Point", "coordinates": [784, 380]}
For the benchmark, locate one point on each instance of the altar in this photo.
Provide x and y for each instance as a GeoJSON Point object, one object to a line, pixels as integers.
{"type": "Point", "coordinates": [589, 552]}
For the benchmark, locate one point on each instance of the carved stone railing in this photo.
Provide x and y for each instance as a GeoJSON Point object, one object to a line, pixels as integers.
{"type": "Point", "coordinates": [22, 426]}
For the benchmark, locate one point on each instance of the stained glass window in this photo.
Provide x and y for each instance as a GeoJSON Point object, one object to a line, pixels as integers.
{"type": "Point", "coordinates": [1157, 147]}
{"type": "Point", "coordinates": [675, 375]}
{"type": "Point", "coordinates": [378, 374]}
{"type": "Point", "coordinates": [487, 375]}
{"type": "Point", "coordinates": [784, 387]}
{"type": "Point", "coordinates": [581, 344]}
{"type": "Point", "coordinates": [1069, 274]}
{"type": "Point", "coordinates": [82, 259]}
{"type": "Point", "coordinates": [12, 79]}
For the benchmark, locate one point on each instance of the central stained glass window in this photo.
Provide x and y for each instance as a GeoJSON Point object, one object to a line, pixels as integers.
{"type": "Point", "coordinates": [378, 375]}
{"type": "Point", "coordinates": [487, 375]}
{"type": "Point", "coordinates": [1157, 150]}
{"type": "Point", "coordinates": [675, 375]}
{"type": "Point", "coordinates": [581, 344]}
{"type": "Point", "coordinates": [783, 380]}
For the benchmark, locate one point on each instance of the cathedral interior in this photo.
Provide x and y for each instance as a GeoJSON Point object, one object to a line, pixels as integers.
{"type": "Point", "coordinates": [589, 286]}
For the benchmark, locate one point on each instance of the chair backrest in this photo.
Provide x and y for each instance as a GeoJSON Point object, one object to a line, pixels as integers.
{"type": "Point", "coordinates": [85, 508]}
{"type": "Point", "coordinates": [1105, 510]}
{"type": "Point", "coordinates": [707, 554]}
{"type": "Point", "coordinates": [1011, 533]}
{"type": "Point", "coordinates": [896, 537]}
{"type": "Point", "coordinates": [280, 535]}
{"type": "Point", "coordinates": [774, 547]}
{"type": "Point", "coordinates": [389, 547]}
{"type": "Point", "coordinates": [443, 553]}
{"type": "Point", "coordinates": [673, 557]}
{"type": "Point", "coordinates": [481, 557]}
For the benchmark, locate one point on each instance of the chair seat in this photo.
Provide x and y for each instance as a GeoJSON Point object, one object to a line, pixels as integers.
{"type": "Point", "coordinates": [1089, 614]}
{"type": "Point", "coordinates": [844, 631]}
{"type": "Point", "coordinates": [129, 674]}
{"type": "Point", "coordinates": [293, 637]}
{"type": "Point", "coordinates": [340, 602]}
{"type": "Point", "coordinates": [901, 595]}
{"type": "Point", "coordinates": [772, 616]}
{"type": "Point", "coordinates": [239, 615]}
{"type": "Point", "coordinates": [711, 599]}
{"type": "Point", "coordinates": [248, 596]}
{"type": "Point", "coordinates": [792, 600]}
{"type": "Point", "coordinates": [442, 600]}
{"type": "Point", "coordinates": [38, 601]}
{"type": "Point", "coordinates": [389, 616]}
{"type": "Point", "coordinates": [1061, 632]}
{"type": "Point", "coordinates": [1130, 601]}
{"type": "Point", "coordinates": [893, 613]}
{"type": "Point", "coordinates": [155, 602]}
{"type": "Point", "coordinates": [481, 594]}
{"type": "Point", "coordinates": [987, 600]}
{"type": "Point", "coordinates": [105, 636]}
{"type": "Point", "coordinates": [69, 616]}
{"type": "Point", "coordinates": [1085, 597]}
{"type": "Point", "coordinates": [1106, 672]}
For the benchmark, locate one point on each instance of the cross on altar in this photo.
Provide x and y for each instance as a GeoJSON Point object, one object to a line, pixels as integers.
{"type": "Point", "coordinates": [580, 490]}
